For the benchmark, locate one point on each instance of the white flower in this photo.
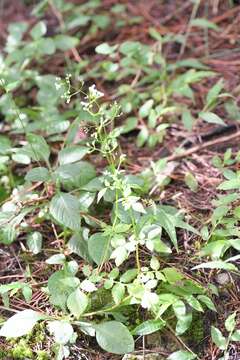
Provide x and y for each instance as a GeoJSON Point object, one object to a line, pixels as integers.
{"type": "Point", "coordinates": [94, 93]}
{"type": "Point", "coordinates": [88, 286]}
{"type": "Point", "coordinates": [149, 299]}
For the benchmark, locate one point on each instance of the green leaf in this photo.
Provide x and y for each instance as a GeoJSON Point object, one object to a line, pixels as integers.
{"type": "Point", "coordinates": [38, 30]}
{"type": "Point", "coordinates": [183, 323]}
{"type": "Point", "coordinates": [165, 221]}
{"type": "Point", "coordinates": [99, 248]}
{"type": "Point", "coordinates": [60, 286]}
{"type": "Point", "coordinates": [37, 148]}
{"type": "Point", "coordinates": [65, 42]}
{"type": "Point", "coordinates": [230, 322]}
{"type": "Point", "coordinates": [129, 276]}
{"type": "Point", "coordinates": [172, 275]}
{"type": "Point", "coordinates": [65, 209]}
{"type": "Point", "coordinates": [37, 174]}
{"type": "Point", "coordinates": [142, 136]}
{"type": "Point", "coordinates": [114, 337]}
{"type": "Point", "coordinates": [20, 324]}
{"type": "Point", "coordinates": [194, 303]}
{"type": "Point", "coordinates": [211, 118]}
{"type": "Point", "coordinates": [57, 259]}
{"type": "Point", "coordinates": [188, 120]}
{"type": "Point", "coordinates": [230, 184]}
{"type": "Point", "coordinates": [218, 338]}
{"type": "Point", "coordinates": [214, 92]}
{"type": "Point", "coordinates": [34, 242]}
{"type": "Point", "coordinates": [191, 181]}
{"type": "Point", "coordinates": [77, 303]}
{"type": "Point", "coordinates": [145, 108]}
{"type": "Point", "coordinates": [149, 327]}
{"type": "Point", "coordinates": [72, 154]}
{"type": "Point", "coordinates": [5, 145]}
{"type": "Point", "coordinates": [182, 355]}
{"type": "Point", "coordinates": [118, 292]}
{"type": "Point", "coordinates": [78, 245]}
{"type": "Point", "coordinates": [204, 23]}
{"type": "Point", "coordinates": [208, 302]}
{"type": "Point", "coordinates": [236, 336]}
{"type": "Point", "coordinates": [216, 265]}
{"type": "Point", "coordinates": [105, 49]}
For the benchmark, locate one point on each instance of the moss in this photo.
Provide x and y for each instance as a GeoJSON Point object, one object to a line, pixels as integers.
{"type": "Point", "coordinates": [42, 355]}
{"type": "Point", "coordinates": [22, 350]}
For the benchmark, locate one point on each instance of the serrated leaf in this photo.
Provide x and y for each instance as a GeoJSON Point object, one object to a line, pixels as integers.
{"type": "Point", "coordinates": [65, 209]}
{"type": "Point", "coordinates": [37, 148]}
{"type": "Point", "coordinates": [37, 174]}
{"type": "Point", "coordinates": [114, 337]}
{"type": "Point", "coordinates": [20, 324]}
{"type": "Point", "coordinates": [99, 248]}
{"type": "Point", "coordinates": [77, 303]}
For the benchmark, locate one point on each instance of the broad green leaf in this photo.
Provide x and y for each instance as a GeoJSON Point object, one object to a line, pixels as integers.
{"type": "Point", "coordinates": [172, 275]}
{"type": "Point", "coordinates": [118, 292]}
{"type": "Point", "coordinates": [114, 337]}
{"type": "Point", "coordinates": [77, 303]}
{"type": "Point", "coordinates": [37, 148]}
{"type": "Point", "coordinates": [204, 23]}
{"type": "Point", "coordinates": [65, 42]}
{"type": "Point", "coordinates": [20, 324]}
{"type": "Point", "coordinates": [165, 221]}
{"type": "Point", "coordinates": [38, 30]}
{"type": "Point", "coordinates": [99, 248]}
{"type": "Point", "coordinates": [34, 242]}
{"type": "Point", "coordinates": [75, 175]}
{"type": "Point", "coordinates": [183, 323]}
{"type": "Point", "coordinates": [182, 355]}
{"type": "Point", "coordinates": [60, 286]}
{"type": "Point", "coordinates": [65, 209]}
{"type": "Point", "coordinates": [230, 322]}
{"type": "Point", "coordinates": [212, 118]}
{"type": "Point", "coordinates": [218, 338]}
{"type": "Point", "coordinates": [78, 245]}
{"type": "Point", "coordinates": [72, 154]}
{"type": "Point", "coordinates": [57, 259]}
{"type": "Point", "coordinates": [142, 136]}
{"type": "Point", "coordinates": [208, 302]}
{"type": "Point", "coordinates": [105, 49]}
{"type": "Point", "coordinates": [194, 303]}
{"type": "Point", "coordinates": [37, 174]}
{"type": "Point", "coordinates": [148, 327]}
{"type": "Point", "coordinates": [230, 184]}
